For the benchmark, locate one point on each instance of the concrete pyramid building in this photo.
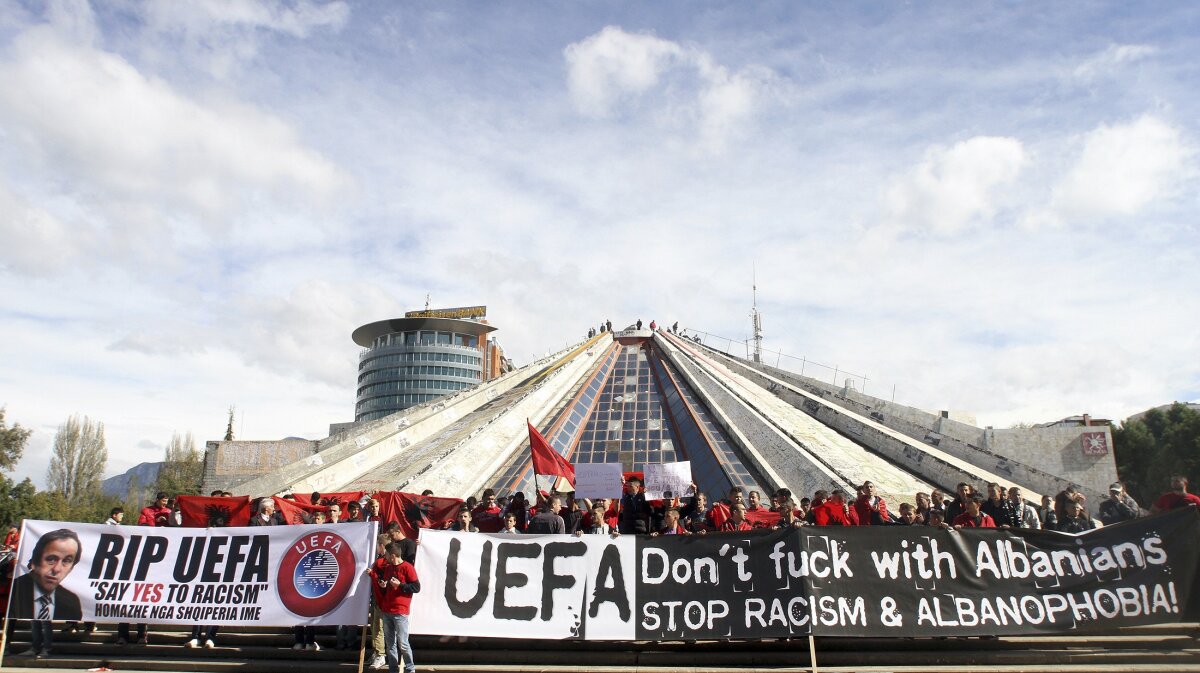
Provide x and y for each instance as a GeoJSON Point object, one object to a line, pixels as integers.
{"type": "Point", "coordinates": [642, 396]}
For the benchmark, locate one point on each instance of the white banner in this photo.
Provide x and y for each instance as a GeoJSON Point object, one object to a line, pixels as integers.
{"type": "Point", "coordinates": [268, 575]}
{"type": "Point", "coordinates": [598, 480]}
{"type": "Point", "coordinates": [669, 480]}
{"type": "Point", "coordinates": [530, 586]}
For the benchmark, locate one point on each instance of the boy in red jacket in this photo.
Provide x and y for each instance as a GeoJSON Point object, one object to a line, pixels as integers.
{"type": "Point", "coordinates": [973, 517]}
{"type": "Point", "coordinates": [395, 581]}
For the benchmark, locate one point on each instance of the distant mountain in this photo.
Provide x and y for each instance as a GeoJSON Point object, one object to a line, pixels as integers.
{"type": "Point", "coordinates": [118, 485]}
{"type": "Point", "coordinates": [1195, 406]}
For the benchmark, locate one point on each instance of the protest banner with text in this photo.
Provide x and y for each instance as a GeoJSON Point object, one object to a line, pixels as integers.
{"type": "Point", "coordinates": [598, 480]}
{"type": "Point", "coordinates": [669, 480]}
{"type": "Point", "coordinates": [846, 581]}
{"type": "Point", "coordinates": [267, 575]}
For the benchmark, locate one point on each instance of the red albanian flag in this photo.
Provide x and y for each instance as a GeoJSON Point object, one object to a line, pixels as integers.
{"type": "Point", "coordinates": [546, 460]}
{"type": "Point", "coordinates": [414, 512]}
{"type": "Point", "coordinates": [762, 518]}
{"type": "Point", "coordinates": [296, 513]}
{"type": "Point", "coordinates": [758, 518]}
{"type": "Point", "coordinates": [204, 512]}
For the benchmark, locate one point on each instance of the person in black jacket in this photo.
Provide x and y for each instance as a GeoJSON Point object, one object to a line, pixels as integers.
{"type": "Point", "coordinates": [1000, 508]}
{"type": "Point", "coordinates": [1119, 506]}
{"type": "Point", "coordinates": [572, 515]}
{"type": "Point", "coordinates": [1075, 520]}
{"type": "Point", "coordinates": [54, 557]}
{"type": "Point", "coordinates": [266, 514]}
{"type": "Point", "coordinates": [959, 506]}
{"type": "Point", "coordinates": [635, 511]}
{"type": "Point", "coordinates": [547, 521]}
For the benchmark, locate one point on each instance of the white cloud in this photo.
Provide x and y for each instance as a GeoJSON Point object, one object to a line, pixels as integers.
{"type": "Point", "coordinates": [73, 19]}
{"type": "Point", "coordinates": [156, 343]}
{"type": "Point", "coordinates": [1111, 58]}
{"type": "Point", "coordinates": [34, 241]}
{"type": "Point", "coordinates": [613, 64]}
{"type": "Point", "coordinates": [953, 188]}
{"type": "Point", "coordinates": [306, 334]}
{"type": "Point", "coordinates": [158, 164]}
{"type": "Point", "coordinates": [203, 16]}
{"type": "Point", "coordinates": [135, 135]}
{"type": "Point", "coordinates": [610, 72]}
{"type": "Point", "coordinates": [1124, 168]}
{"type": "Point", "coordinates": [221, 37]}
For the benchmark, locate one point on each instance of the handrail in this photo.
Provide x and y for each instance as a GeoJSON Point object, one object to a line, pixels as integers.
{"type": "Point", "coordinates": [779, 356]}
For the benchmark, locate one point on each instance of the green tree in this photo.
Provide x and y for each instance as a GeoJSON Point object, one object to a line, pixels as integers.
{"type": "Point", "coordinates": [27, 502]}
{"type": "Point", "coordinates": [8, 505]}
{"type": "Point", "coordinates": [182, 469]}
{"type": "Point", "coordinates": [24, 501]}
{"type": "Point", "coordinates": [78, 460]}
{"type": "Point", "coordinates": [1151, 449]}
{"type": "Point", "coordinates": [12, 442]}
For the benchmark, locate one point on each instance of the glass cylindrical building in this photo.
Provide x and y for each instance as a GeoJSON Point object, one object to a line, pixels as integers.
{"type": "Point", "coordinates": [408, 361]}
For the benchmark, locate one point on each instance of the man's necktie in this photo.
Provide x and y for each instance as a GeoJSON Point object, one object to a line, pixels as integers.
{"type": "Point", "coordinates": [44, 611]}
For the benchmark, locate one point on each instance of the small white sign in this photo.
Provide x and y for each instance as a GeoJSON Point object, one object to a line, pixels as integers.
{"type": "Point", "coordinates": [597, 480]}
{"type": "Point", "coordinates": [669, 480]}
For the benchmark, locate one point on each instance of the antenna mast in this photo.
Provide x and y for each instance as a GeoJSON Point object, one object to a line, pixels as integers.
{"type": "Point", "coordinates": [756, 318]}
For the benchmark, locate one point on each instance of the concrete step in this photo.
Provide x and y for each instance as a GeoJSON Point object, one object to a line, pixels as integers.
{"type": "Point", "coordinates": [1159, 636]}
{"type": "Point", "coordinates": [148, 663]}
{"type": "Point", "coordinates": [1165, 648]}
{"type": "Point", "coordinates": [931, 655]}
{"type": "Point", "coordinates": [75, 667]}
{"type": "Point", "coordinates": [1094, 660]}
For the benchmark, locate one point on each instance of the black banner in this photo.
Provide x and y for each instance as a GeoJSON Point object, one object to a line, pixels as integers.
{"type": "Point", "coordinates": [915, 581]}
{"type": "Point", "coordinates": [844, 581]}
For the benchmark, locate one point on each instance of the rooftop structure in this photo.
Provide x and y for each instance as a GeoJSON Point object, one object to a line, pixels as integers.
{"type": "Point", "coordinates": [423, 356]}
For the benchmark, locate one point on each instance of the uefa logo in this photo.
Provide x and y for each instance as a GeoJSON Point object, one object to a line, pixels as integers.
{"type": "Point", "coordinates": [315, 574]}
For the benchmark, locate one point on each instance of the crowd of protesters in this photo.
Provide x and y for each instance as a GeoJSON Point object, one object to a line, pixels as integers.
{"type": "Point", "coordinates": [631, 514]}
{"type": "Point", "coordinates": [634, 514]}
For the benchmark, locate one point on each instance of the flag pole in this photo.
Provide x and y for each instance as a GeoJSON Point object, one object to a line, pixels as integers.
{"type": "Point", "coordinates": [537, 495]}
{"type": "Point", "coordinates": [362, 645]}
{"type": "Point", "coordinates": [812, 652]}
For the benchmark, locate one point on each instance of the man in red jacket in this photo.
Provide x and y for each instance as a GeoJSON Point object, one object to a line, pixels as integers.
{"type": "Point", "coordinates": [395, 581]}
{"type": "Point", "coordinates": [737, 518]}
{"type": "Point", "coordinates": [871, 509]}
{"type": "Point", "coordinates": [487, 516]}
{"type": "Point", "coordinates": [156, 514]}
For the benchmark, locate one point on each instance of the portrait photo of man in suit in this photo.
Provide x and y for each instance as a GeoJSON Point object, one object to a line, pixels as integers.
{"type": "Point", "coordinates": [38, 594]}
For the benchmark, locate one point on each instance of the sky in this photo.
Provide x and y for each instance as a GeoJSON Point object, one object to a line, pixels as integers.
{"type": "Point", "coordinates": [988, 207]}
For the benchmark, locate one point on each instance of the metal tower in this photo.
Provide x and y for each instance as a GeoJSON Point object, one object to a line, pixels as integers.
{"type": "Point", "coordinates": [756, 320]}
